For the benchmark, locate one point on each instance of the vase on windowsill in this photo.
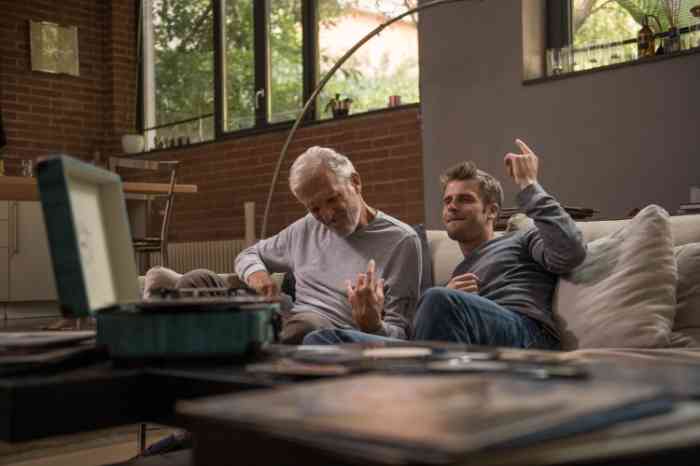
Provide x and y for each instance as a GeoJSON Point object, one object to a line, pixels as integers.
{"type": "Point", "coordinates": [133, 143]}
{"type": "Point", "coordinates": [339, 107]}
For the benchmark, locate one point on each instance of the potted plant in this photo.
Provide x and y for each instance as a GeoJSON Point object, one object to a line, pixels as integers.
{"type": "Point", "coordinates": [339, 107]}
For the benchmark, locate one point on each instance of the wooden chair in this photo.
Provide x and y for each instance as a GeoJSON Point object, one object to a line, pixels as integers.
{"type": "Point", "coordinates": [145, 245]}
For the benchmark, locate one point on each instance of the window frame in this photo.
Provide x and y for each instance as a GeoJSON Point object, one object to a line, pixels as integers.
{"type": "Point", "coordinates": [556, 31]}
{"type": "Point", "coordinates": [310, 70]}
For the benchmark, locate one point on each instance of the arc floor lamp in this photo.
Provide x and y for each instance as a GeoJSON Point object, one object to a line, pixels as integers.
{"type": "Point", "coordinates": [319, 88]}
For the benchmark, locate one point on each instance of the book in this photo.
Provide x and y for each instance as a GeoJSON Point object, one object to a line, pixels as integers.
{"type": "Point", "coordinates": [409, 419]}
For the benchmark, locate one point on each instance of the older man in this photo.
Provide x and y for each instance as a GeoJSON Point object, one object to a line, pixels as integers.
{"type": "Point", "coordinates": [341, 238]}
{"type": "Point", "coordinates": [501, 293]}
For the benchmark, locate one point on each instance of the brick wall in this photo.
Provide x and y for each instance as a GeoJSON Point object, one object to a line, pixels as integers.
{"type": "Point", "coordinates": [385, 148]}
{"type": "Point", "coordinates": [45, 113]}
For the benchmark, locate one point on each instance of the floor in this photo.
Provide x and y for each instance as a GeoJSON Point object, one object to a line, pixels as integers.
{"type": "Point", "coordinates": [94, 448]}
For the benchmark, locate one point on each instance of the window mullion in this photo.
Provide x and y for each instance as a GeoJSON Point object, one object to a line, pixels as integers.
{"type": "Point", "coordinates": [220, 110]}
{"type": "Point", "coordinates": [309, 12]}
{"type": "Point", "coordinates": [261, 10]}
{"type": "Point", "coordinates": [558, 23]}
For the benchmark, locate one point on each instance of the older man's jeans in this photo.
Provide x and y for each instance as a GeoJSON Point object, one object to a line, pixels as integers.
{"type": "Point", "coordinates": [455, 316]}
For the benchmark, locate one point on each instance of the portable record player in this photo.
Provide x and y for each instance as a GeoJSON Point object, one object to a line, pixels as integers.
{"type": "Point", "coordinates": [95, 272]}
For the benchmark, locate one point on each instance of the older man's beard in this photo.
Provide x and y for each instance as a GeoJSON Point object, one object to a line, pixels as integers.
{"type": "Point", "coordinates": [353, 220]}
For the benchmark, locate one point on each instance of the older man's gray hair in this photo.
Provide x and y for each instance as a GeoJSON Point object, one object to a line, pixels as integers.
{"type": "Point", "coordinates": [315, 159]}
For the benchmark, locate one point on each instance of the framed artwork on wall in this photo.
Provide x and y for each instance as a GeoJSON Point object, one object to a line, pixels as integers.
{"type": "Point", "coordinates": [54, 48]}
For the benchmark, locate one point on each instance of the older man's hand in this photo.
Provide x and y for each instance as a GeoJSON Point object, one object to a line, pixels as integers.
{"type": "Point", "coordinates": [367, 299]}
{"type": "Point", "coordinates": [263, 284]}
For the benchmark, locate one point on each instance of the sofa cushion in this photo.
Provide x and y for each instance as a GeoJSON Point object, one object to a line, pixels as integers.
{"type": "Point", "coordinates": [623, 295]}
{"type": "Point", "coordinates": [686, 326]}
{"type": "Point", "coordinates": [427, 272]}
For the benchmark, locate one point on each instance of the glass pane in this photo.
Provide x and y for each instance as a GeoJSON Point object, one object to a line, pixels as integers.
{"type": "Point", "coordinates": [605, 31]}
{"type": "Point", "coordinates": [383, 68]}
{"type": "Point", "coordinates": [240, 65]}
{"type": "Point", "coordinates": [601, 21]}
{"type": "Point", "coordinates": [182, 61]}
{"type": "Point", "coordinates": [182, 134]}
{"type": "Point", "coordinates": [286, 67]}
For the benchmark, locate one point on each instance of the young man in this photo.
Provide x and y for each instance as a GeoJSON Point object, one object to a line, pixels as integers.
{"type": "Point", "coordinates": [501, 293]}
{"type": "Point", "coordinates": [340, 236]}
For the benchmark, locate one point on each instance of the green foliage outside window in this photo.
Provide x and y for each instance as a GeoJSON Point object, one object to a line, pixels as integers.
{"type": "Point", "coordinates": [184, 62]}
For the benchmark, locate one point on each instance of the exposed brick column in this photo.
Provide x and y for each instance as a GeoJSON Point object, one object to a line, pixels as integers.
{"type": "Point", "coordinates": [119, 72]}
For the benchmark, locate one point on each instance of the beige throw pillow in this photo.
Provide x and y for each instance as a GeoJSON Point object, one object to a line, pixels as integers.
{"type": "Point", "coordinates": [686, 327]}
{"type": "Point", "coordinates": [623, 295]}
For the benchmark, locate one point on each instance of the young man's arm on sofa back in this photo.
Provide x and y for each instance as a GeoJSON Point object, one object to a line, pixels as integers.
{"type": "Point", "coordinates": [556, 243]}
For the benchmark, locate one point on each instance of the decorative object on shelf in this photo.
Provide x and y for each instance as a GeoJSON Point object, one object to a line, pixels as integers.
{"type": "Point", "coordinates": [646, 40]}
{"type": "Point", "coordinates": [394, 100]}
{"type": "Point", "coordinates": [672, 41]}
{"type": "Point", "coordinates": [339, 107]}
{"type": "Point", "coordinates": [693, 35]}
{"type": "Point", "coordinates": [559, 60]}
{"type": "Point", "coordinates": [54, 48]}
{"type": "Point", "coordinates": [133, 143]}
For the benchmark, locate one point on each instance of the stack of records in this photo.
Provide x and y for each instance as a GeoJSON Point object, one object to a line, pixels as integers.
{"type": "Point", "coordinates": [410, 419]}
{"type": "Point", "coordinates": [32, 351]}
{"type": "Point", "coordinates": [689, 208]}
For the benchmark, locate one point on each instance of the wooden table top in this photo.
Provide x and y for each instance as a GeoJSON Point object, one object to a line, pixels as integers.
{"type": "Point", "coordinates": [17, 188]}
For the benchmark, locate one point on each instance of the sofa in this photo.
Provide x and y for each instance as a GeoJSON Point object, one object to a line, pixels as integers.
{"type": "Point", "coordinates": [652, 325]}
{"type": "Point", "coordinates": [666, 332]}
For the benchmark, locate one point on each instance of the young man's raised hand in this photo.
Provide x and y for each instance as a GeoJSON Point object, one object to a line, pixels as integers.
{"type": "Point", "coordinates": [523, 167]}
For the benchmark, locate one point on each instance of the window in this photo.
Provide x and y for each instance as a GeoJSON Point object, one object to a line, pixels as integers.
{"type": "Point", "coordinates": [286, 60]}
{"type": "Point", "coordinates": [385, 66]}
{"type": "Point", "coordinates": [178, 74]}
{"type": "Point", "coordinates": [212, 67]}
{"type": "Point", "coordinates": [604, 32]}
{"type": "Point", "coordinates": [239, 65]}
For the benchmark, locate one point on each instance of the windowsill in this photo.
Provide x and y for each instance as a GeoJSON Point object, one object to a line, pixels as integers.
{"type": "Point", "coordinates": [280, 127]}
{"type": "Point", "coordinates": [643, 61]}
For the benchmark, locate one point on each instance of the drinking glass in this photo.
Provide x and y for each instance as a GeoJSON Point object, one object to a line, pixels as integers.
{"type": "Point", "coordinates": [616, 53]}
{"type": "Point", "coordinates": [557, 61]}
{"type": "Point", "coordinates": [27, 166]}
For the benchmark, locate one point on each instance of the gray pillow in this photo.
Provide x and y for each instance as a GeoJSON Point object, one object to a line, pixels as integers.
{"type": "Point", "coordinates": [624, 293]}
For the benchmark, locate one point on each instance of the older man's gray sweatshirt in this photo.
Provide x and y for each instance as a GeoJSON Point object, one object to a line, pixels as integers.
{"type": "Point", "coordinates": [519, 270]}
{"type": "Point", "coordinates": [322, 261]}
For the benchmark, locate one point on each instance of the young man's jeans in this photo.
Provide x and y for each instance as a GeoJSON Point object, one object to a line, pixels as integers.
{"type": "Point", "coordinates": [455, 316]}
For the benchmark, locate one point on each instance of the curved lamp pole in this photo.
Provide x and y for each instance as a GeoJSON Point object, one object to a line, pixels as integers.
{"type": "Point", "coordinates": [319, 88]}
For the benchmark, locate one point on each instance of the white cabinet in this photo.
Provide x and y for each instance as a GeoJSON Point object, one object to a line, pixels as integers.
{"type": "Point", "coordinates": [26, 273]}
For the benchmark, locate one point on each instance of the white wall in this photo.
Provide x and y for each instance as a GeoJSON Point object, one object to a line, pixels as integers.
{"type": "Point", "coordinates": [611, 140]}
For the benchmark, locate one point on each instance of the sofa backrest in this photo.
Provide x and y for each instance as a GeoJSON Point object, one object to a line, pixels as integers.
{"type": "Point", "coordinates": [445, 253]}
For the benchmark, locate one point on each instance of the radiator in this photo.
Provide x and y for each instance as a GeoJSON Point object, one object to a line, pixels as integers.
{"type": "Point", "coordinates": [217, 256]}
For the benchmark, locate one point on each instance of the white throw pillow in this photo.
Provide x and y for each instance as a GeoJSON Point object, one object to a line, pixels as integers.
{"type": "Point", "coordinates": [686, 326]}
{"type": "Point", "coordinates": [624, 293]}
{"type": "Point", "coordinates": [159, 277]}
